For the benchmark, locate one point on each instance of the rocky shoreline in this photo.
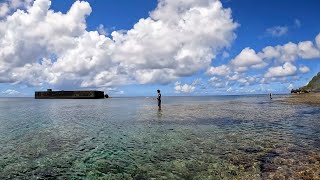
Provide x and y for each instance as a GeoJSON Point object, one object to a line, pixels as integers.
{"type": "Point", "coordinates": [311, 98]}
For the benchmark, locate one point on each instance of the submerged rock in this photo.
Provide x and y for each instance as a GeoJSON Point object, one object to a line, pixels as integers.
{"type": "Point", "coordinates": [267, 162]}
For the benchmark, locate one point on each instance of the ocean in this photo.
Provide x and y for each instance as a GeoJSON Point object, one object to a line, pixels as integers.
{"type": "Point", "coordinates": [213, 137]}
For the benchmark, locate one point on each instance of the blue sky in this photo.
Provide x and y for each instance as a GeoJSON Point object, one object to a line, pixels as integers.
{"type": "Point", "coordinates": [132, 48]}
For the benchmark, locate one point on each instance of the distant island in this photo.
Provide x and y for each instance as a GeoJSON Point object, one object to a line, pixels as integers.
{"type": "Point", "coordinates": [312, 86]}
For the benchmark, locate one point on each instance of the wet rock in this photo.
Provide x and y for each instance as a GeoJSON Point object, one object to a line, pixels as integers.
{"type": "Point", "coordinates": [106, 167]}
{"type": "Point", "coordinates": [266, 162]}
{"type": "Point", "coordinates": [268, 157]}
{"type": "Point", "coordinates": [266, 168]}
{"type": "Point", "coordinates": [252, 149]}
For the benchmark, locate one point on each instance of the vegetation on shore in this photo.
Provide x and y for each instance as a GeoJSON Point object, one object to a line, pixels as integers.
{"type": "Point", "coordinates": [312, 86]}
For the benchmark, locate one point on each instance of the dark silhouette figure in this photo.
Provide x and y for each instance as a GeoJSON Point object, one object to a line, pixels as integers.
{"type": "Point", "coordinates": [159, 99]}
{"type": "Point", "coordinates": [270, 96]}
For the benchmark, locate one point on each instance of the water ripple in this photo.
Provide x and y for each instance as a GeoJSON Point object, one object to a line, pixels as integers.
{"type": "Point", "coordinates": [240, 137]}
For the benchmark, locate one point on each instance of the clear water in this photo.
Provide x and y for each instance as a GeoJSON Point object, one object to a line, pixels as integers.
{"type": "Point", "coordinates": [222, 137]}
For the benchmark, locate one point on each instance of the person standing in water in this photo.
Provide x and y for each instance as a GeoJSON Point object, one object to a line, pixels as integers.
{"type": "Point", "coordinates": [270, 96]}
{"type": "Point", "coordinates": [159, 99]}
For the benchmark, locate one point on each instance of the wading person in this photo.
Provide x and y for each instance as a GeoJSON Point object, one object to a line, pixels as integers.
{"type": "Point", "coordinates": [159, 99]}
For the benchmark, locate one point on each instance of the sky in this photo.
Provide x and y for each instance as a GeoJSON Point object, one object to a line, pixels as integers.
{"type": "Point", "coordinates": [182, 47]}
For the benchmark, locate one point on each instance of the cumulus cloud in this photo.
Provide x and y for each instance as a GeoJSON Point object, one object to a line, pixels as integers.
{"type": "Point", "coordinates": [102, 30]}
{"type": "Point", "coordinates": [28, 36]}
{"type": "Point", "coordinates": [215, 79]}
{"type": "Point", "coordinates": [236, 71]}
{"type": "Point", "coordinates": [9, 5]}
{"type": "Point", "coordinates": [4, 9]}
{"type": "Point", "coordinates": [233, 77]}
{"type": "Point", "coordinates": [306, 50]}
{"type": "Point", "coordinates": [290, 52]}
{"type": "Point", "coordinates": [285, 54]}
{"type": "Point", "coordinates": [218, 82]}
{"type": "Point", "coordinates": [180, 38]}
{"type": "Point", "coordinates": [304, 69]}
{"type": "Point", "coordinates": [246, 81]}
{"type": "Point", "coordinates": [184, 88]}
{"type": "Point", "coordinates": [247, 59]}
{"type": "Point", "coordinates": [270, 52]}
{"type": "Point", "coordinates": [277, 31]}
{"type": "Point", "coordinates": [287, 69]}
{"type": "Point", "coordinates": [222, 70]}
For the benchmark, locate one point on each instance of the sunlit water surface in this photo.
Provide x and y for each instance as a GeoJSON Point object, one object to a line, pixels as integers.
{"type": "Point", "coordinates": [221, 137]}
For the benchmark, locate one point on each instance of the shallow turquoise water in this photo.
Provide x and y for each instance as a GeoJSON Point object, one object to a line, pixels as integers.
{"type": "Point", "coordinates": [221, 137]}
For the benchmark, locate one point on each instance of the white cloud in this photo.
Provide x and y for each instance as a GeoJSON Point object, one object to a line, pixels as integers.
{"type": "Point", "coordinates": [214, 79]}
{"type": "Point", "coordinates": [290, 87]}
{"type": "Point", "coordinates": [272, 56]}
{"type": "Point", "coordinates": [16, 3]}
{"type": "Point", "coordinates": [241, 69]}
{"type": "Point", "coordinates": [318, 40]}
{"type": "Point", "coordinates": [234, 77]}
{"type": "Point", "coordinates": [102, 30]}
{"type": "Point", "coordinates": [307, 50]}
{"type": "Point", "coordinates": [112, 91]}
{"type": "Point", "coordinates": [4, 9]}
{"type": "Point", "coordinates": [185, 88]}
{"type": "Point", "coordinates": [304, 69]}
{"type": "Point", "coordinates": [218, 82]}
{"type": "Point", "coordinates": [225, 55]}
{"type": "Point", "coordinates": [277, 31]}
{"type": "Point", "coordinates": [177, 36]}
{"type": "Point", "coordinates": [222, 70]}
{"type": "Point", "coordinates": [179, 39]}
{"type": "Point", "coordinates": [10, 92]}
{"type": "Point", "coordinates": [290, 52]}
{"type": "Point", "coordinates": [197, 81]}
{"type": "Point", "coordinates": [297, 23]}
{"type": "Point", "coordinates": [270, 52]}
{"type": "Point", "coordinates": [247, 81]}
{"type": "Point", "coordinates": [285, 53]}
{"type": "Point", "coordinates": [9, 5]}
{"type": "Point", "coordinates": [287, 69]}
{"type": "Point", "coordinates": [247, 58]}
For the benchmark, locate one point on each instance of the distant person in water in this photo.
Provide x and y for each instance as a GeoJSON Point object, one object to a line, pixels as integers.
{"type": "Point", "coordinates": [159, 99]}
{"type": "Point", "coordinates": [270, 96]}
